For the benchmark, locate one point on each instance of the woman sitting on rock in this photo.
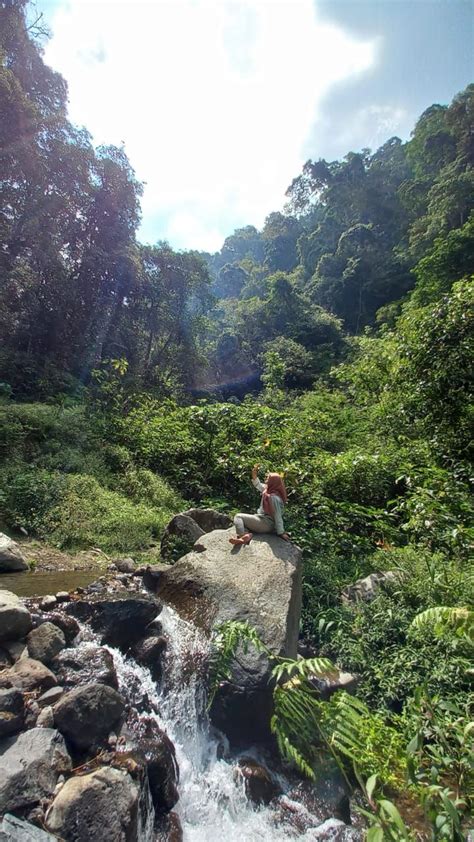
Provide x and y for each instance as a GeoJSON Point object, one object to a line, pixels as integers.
{"type": "Point", "coordinates": [269, 517]}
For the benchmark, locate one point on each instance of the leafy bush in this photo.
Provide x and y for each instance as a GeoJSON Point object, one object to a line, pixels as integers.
{"type": "Point", "coordinates": [27, 495]}
{"type": "Point", "coordinates": [90, 515]}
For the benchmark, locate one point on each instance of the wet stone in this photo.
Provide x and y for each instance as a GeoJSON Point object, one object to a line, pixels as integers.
{"type": "Point", "coordinates": [85, 664]}
{"type": "Point", "coordinates": [45, 642]}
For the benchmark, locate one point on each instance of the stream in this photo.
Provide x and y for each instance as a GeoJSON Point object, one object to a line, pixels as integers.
{"type": "Point", "coordinates": [213, 805]}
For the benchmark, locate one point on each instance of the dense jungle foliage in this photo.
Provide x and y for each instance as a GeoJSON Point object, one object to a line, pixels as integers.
{"type": "Point", "coordinates": [335, 345]}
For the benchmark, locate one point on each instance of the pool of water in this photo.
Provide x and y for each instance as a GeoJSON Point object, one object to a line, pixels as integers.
{"type": "Point", "coordinates": [31, 583]}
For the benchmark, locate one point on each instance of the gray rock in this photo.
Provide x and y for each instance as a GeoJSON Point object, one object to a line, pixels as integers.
{"type": "Point", "coordinates": [50, 697]}
{"type": "Point", "coordinates": [28, 674]}
{"type": "Point", "coordinates": [13, 829]}
{"type": "Point", "coordinates": [45, 642]}
{"type": "Point", "coordinates": [48, 602]}
{"type": "Point", "coordinates": [11, 711]}
{"type": "Point", "coordinates": [120, 618]}
{"type": "Point", "coordinates": [103, 805]}
{"type": "Point", "coordinates": [125, 565]}
{"type": "Point", "coordinates": [260, 786]}
{"type": "Point", "coordinates": [16, 649]}
{"type": "Point", "coordinates": [150, 653]}
{"type": "Point", "coordinates": [85, 664]}
{"type": "Point", "coordinates": [87, 714]}
{"type": "Point", "coordinates": [179, 536]}
{"type": "Point", "coordinates": [153, 749]}
{"type": "Point", "coordinates": [62, 596]}
{"type": "Point", "coordinates": [331, 684]}
{"type": "Point", "coordinates": [365, 590]}
{"type": "Point", "coordinates": [68, 625]}
{"type": "Point", "coordinates": [45, 718]}
{"type": "Point", "coordinates": [11, 557]}
{"type": "Point", "coordinates": [209, 519]}
{"type": "Point", "coordinates": [15, 619]}
{"type": "Point", "coordinates": [260, 583]}
{"type": "Point", "coordinates": [29, 767]}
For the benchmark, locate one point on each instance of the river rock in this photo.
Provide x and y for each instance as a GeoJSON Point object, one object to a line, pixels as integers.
{"type": "Point", "coordinates": [85, 664]}
{"type": "Point", "coordinates": [28, 674]}
{"type": "Point", "coordinates": [45, 642]}
{"type": "Point", "coordinates": [150, 653]}
{"type": "Point", "coordinates": [168, 828]}
{"type": "Point", "coordinates": [260, 786]}
{"type": "Point", "coordinates": [209, 519]}
{"type": "Point", "coordinates": [153, 748]}
{"type": "Point", "coordinates": [330, 684]}
{"type": "Point", "coordinates": [68, 625]}
{"type": "Point", "coordinates": [29, 767]}
{"type": "Point", "coordinates": [365, 590]}
{"type": "Point", "coordinates": [48, 602]}
{"type": "Point", "coordinates": [88, 713]}
{"type": "Point", "coordinates": [45, 718]}
{"type": "Point", "coordinates": [13, 829]}
{"type": "Point", "coordinates": [50, 697]}
{"type": "Point", "coordinates": [11, 711]}
{"type": "Point", "coordinates": [259, 583]}
{"type": "Point", "coordinates": [120, 619]}
{"type": "Point", "coordinates": [11, 557]}
{"type": "Point", "coordinates": [333, 830]}
{"type": "Point", "coordinates": [125, 565]}
{"type": "Point", "coordinates": [16, 649]}
{"type": "Point", "coordinates": [179, 536]}
{"type": "Point", "coordinates": [15, 619]}
{"type": "Point", "coordinates": [103, 805]}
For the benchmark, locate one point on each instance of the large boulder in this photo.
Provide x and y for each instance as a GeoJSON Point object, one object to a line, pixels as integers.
{"type": "Point", "coordinates": [104, 805]}
{"type": "Point", "coordinates": [11, 711]}
{"type": "Point", "coordinates": [119, 618]}
{"type": "Point", "coordinates": [87, 714]}
{"type": "Point", "coordinates": [85, 664]}
{"type": "Point", "coordinates": [11, 557]}
{"type": "Point", "coordinates": [28, 674]}
{"type": "Point", "coordinates": [259, 583]}
{"type": "Point", "coordinates": [45, 642]}
{"type": "Point", "coordinates": [15, 619]}
{"type": "Point", "coordinates": [30, 764]}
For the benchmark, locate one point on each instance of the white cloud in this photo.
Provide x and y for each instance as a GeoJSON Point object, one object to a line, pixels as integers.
{"type": "Point", "coordinates": [214, 99]}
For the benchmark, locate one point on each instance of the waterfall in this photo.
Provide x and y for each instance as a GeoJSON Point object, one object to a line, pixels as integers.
{"type": "Point", "coordinates": [213, 805]}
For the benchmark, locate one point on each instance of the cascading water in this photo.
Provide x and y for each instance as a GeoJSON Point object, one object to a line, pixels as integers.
{"type": "Point", "coordinates": [213, 805]}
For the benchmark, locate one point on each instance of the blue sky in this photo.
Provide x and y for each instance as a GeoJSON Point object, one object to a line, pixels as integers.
{"type": "Point", "coordinates": [220, 102]}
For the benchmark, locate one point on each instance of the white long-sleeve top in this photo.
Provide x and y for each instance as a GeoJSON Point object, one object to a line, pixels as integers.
{"type": "Point", "coordinates": [278, 507]}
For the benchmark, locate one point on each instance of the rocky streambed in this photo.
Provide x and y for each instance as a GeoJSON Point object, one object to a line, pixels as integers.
{"type": "Point", "coordinates": [104, 732]}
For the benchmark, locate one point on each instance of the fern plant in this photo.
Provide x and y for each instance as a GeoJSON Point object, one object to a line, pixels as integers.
{"type": "Point", "coordinates": [226, 639]}
{"type": "Point", "coordinates": [441, 618]}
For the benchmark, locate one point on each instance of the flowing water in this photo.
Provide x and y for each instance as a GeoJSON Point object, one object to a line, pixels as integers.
{"type": "Point", "coordinates": [212, 806]}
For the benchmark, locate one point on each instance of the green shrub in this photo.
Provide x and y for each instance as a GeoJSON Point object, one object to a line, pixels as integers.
{"type": "Point", "coordinates": [27, 495]}
{"type": "Point", "coordinates": [90, 515]}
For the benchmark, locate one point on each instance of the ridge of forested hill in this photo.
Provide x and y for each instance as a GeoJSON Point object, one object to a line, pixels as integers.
{"type": "Point", "coordinates": [350, 319]}
{"type": "Point", "coordinates": [343, 256]}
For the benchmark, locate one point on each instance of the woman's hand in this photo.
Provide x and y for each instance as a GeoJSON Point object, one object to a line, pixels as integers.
{"type": "Point", "coordinates": [255, 471]}
{"type": "Point", "coordinates": [285, 536]}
